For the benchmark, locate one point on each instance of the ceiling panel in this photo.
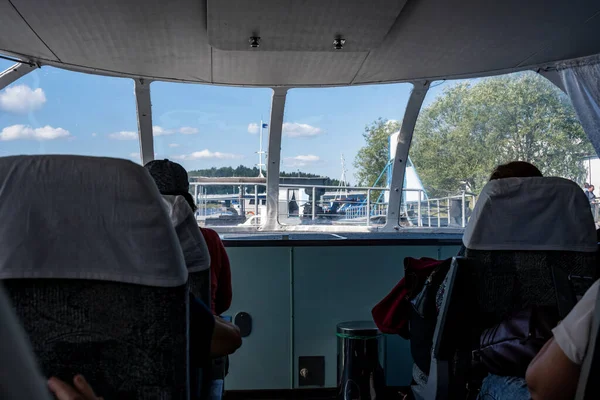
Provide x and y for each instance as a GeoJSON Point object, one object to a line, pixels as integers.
{"type": "Point", "coordinates": [300, 25]}
{"type": "Point", "coordinates": [15, 35]}
{"type": "Point", "coordinates": [428, 39]}
{"type": "Point", "coordinates": [285, 68]}
{"type": "Point", "coordinates": [434, 38]}
{"type": "Point", "coordinates": [152, 38]}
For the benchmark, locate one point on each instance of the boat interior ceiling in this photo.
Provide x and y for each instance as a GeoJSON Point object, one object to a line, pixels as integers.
{"type": "Point", "coordinates": [385, 40]}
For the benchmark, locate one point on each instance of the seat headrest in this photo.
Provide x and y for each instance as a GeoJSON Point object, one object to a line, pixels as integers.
{"type": "Point", "coordinates": [531, 214]}
{"type": "Point", "coordinates": [76, 217]}
{"type": "Point", "coordinates": [193, 245]}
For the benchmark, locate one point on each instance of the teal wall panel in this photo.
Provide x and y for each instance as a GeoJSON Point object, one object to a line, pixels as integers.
{"type": "Point", "coordinates": [330, 285]}
{"type": "Point", "coordinates": [337, 284]}
{"type": "Point", "coordinates": [261, 287]}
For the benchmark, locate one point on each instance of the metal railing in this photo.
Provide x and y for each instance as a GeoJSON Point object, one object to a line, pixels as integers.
{"type": "Point", "coordinates": [356, 205]}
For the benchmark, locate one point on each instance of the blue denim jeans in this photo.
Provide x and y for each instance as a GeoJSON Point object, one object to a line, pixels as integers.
{"type": "Point", "coordinates": [216, 389]}
{"type": "Point", "coordinates": [496, 387]}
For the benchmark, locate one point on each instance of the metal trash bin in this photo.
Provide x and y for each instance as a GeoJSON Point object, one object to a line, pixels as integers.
{"type": "Point", "coordinates": [360, 361]}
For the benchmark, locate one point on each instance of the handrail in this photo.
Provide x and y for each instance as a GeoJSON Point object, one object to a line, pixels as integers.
{"type": "Point", "coordinates": [425, 212]}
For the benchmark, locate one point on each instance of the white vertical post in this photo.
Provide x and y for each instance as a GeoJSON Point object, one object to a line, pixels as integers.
{"type": "Point", "coordinates": [256, 208]}
{"type": "Point", "coordinates": [420, 222]}
{"type": "Point", "coordinates": [438, 213]}
{"type": "Point", "coordinates": [368, 207]}
{"type": "Point", "coordinates": [448, 211]}
{"type": "Point", "coordinates": [464, 216]}
{"type": "Point", "coordinates": [429, 213]}
{"type": "Point", "coordinates": [274, 153]}
{"type": "Point", "coordinates": [314, 203]}
{"type": "Point", "coordinates": [413, 107]}
{"type": "Point", "coordinates": [144, 116]}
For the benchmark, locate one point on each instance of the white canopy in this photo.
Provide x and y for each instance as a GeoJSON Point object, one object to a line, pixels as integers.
{"type": "Point", "coordinates": [385, 40]}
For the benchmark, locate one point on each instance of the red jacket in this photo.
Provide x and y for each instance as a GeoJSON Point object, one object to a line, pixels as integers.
{"type": "Point", "coordinates": [220, 272]}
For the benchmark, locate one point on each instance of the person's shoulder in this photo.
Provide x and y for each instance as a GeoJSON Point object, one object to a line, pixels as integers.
{"type": "Point", "coordinates": [210, 234]}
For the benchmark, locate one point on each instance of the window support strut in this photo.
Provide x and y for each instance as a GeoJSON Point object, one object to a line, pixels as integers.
{"type": "Point", "coordinates": [144, 117]}
{"type": "Point", "coordinates": [15, 72]}
{"type": "Point", "coordinates": [273, 158]}
{"type": "Point", "coordinates": [400, 161]}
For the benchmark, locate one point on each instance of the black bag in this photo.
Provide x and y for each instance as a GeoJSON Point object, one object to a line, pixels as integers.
{"type": "Point", "coordinates": [423, 318]}
{"type": "Point", "coordinates": [508, 347]}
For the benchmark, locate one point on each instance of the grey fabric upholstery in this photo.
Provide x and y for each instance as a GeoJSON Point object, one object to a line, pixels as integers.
{"type": "Point", "coordinates": [20, 377]}
{"type": "Point", "coordinates": [129, 341]}
{"type": "Point", "coordinates": [510, 280]}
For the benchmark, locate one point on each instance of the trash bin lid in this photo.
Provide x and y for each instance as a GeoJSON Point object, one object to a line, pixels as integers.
{"type": "Point", "coordinates": [358, 328]}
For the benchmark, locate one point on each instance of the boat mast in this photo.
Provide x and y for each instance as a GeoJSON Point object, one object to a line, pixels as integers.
{"type": "Point", "coordinates": [342, 185]}
{"type": "Point", "coordinates": [260, 151]}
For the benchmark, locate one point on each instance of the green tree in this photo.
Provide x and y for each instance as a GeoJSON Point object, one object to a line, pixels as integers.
{"type": "Point", "coordinates": [471, 128]}
{"type": "Point", "coordinates": [371, 159]}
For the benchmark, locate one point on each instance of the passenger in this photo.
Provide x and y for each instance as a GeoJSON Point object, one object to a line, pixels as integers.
{"type": "Point", "coordinates": [515, 169]}
{"type": "Point", "coordinates": [590, 193]}
{"type": "Point", "coordinates": [554, 372]}
{"type": "Point", "coordinates": [172, 179]}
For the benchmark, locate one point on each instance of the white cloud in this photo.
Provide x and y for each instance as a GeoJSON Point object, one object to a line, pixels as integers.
{"type": "Point", "coordinates": [21, 99]}
{"type": "Point", "coordinates": [253, 128]}
{"type": "Point", "coordinates": [94, 134]}
{"type": "Point", "coordinates": [173, 144]}
{"type": "Point", "coordinates": [188, 130]}
{"type": "Point", "coordinates": [134, 155]}
{"type": "Point", "coordinates": [124, 135]}
{"type": "Point", "coordinates": [16, 132]}
{"type": "Point", "coordinates": [207, 154]}
{"type": "Point", "coordinates": [301, 160]}
{"type": "Point", "coordinates": [294, 129]}
{"type": "Point", "coordinates": [160, 131]}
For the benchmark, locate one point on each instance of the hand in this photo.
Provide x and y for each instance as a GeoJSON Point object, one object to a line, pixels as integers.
{"type": "Point", "coordinates": [82, 391]}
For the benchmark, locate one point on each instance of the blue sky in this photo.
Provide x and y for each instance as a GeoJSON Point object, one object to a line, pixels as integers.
{"type": "Point", "coordinates": [56, 111]}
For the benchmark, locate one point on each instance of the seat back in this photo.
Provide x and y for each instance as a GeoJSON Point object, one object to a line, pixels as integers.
{"type": "Point", "coordinates": [95, 273]}
{"type": "Point", "coordinates": [452, 338]}
{"type": "Point", "coordinates": [193, 245]}
{"type": "Point", "coordinates": [20, 377]}
{"type": "Point", "coordinates": [523, 229]}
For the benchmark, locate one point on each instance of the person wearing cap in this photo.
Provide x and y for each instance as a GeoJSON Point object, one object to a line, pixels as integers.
{"type": "Point", "coordinates": [172, 182]}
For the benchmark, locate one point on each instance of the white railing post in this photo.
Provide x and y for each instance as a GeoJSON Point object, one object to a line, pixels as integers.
{"type": "Point", "coordinates": [420, 221]}
{"type": "Point", "coordinates": [429, 213]}
{"type": "Point", "coordinates": [368, 207]}
{"type": "Point", "coordinates": [438, 214]}
{"type": "Point", "coordinates": [464, 216]}
{"type": "Point", "coordinates": [314, 202]}
{"type": "Point", "coordinates": [256, 208]}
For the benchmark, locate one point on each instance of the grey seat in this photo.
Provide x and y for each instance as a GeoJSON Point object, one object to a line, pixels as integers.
{"type": "Point", "coordinates": [525, 236]}
{"type": "Point", "coordinates": [20, 377]}
{"type": "Point", "coordinates": [521, 230]}
{"type": "Point", "coordinates": [95, 273]}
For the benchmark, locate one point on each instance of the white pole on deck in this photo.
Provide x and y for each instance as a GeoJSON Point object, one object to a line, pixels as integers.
{"type": "Point", "coordinates": [260, 151]}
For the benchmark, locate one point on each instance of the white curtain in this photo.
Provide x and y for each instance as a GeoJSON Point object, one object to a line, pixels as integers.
{"type": "Point", "coordinates": [581, 80]}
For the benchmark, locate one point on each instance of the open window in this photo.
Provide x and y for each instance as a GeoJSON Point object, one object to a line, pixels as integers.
{"type": "Point", "coordinates": [335, 156]}
{"type": "Point", "coordinates": [54, 111]}
{"type": "Point", "coordinates": [468, 127]}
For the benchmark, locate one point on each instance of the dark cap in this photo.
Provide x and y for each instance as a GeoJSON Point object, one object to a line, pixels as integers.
{"type": "Point", "coordinates": [170, 177]}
